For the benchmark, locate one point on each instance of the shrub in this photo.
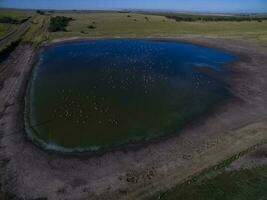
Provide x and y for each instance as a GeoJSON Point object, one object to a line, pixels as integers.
{"type": "Point", "coordinates": [59, 23]}
{"type": "Point", "coordinates": [215, 18]}
{"type": "Point", "coordinates": [10, 20]}
{"type": "Point", "coordinates": [40, 12]}
{"type": "Point", "coordinates": [91, 27]}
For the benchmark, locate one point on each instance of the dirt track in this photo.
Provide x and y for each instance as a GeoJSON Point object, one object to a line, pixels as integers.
{"type": "Point", "coordinates": [29, 172]}
{"type": "Point", "coordinates": [16, 34]}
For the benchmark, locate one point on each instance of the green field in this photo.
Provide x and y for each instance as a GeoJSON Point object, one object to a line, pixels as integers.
{"type": "Point", "coordinates": [117, 24]}
{"type": "Point", "coordinates": [16, 14]}
{"type": "Point", "coordinates": [6, 28]}
{"type": "Point", "coordinates": [112, 24]}
{"type": "Point", "coordinates": [37, 31]}
{"type": "Point", "coordinates": [221, 182]}
{"type": "Point", "coordinates": [244, 184]}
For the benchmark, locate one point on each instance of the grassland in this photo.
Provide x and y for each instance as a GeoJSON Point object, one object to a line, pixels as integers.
{"type": "Point", "coordinates": [6, 28]}
{"type": "Point", "coordinates": [241, 177]}
{"type": "Point", "coordinates": [33, 31]}
{"type": "Point", "coordinates": [117, 24]}
{"type": "Point", "coordinates": [244, 184]}
{"type": "Point", "coordinates": [112, 24]}
{"type": "Point", "coordinates": [37, 31]}
{"type": "Point", "coordinates": [16, 14]}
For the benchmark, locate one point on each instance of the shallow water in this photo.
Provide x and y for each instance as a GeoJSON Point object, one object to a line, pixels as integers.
{"type": "Point", "coordinates": [102, 93]}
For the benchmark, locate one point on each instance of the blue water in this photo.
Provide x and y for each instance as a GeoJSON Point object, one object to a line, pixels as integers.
{"type": "Point", "coordinates": [96, 94]}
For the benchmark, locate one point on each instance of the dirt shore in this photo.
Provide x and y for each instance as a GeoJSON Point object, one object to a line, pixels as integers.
{"type": "Point", "coordinates": [31, 173]}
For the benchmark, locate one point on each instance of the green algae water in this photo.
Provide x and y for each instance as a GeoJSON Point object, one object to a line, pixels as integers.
{"type": "Point", "coordinates": [96, 94]}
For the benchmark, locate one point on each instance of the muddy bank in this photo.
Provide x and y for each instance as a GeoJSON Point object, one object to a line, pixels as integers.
{"type": "Point", "coordinates": [31, 173]}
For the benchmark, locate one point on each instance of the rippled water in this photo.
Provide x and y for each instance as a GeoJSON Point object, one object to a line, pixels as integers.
{"type": "Point", "coordinates": [102, 93]}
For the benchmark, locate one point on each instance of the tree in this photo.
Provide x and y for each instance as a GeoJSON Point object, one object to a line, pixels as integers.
{"type": "Point", "coordinates": [40, 12]}
{"type": "Point", "coordinates": [58, 23]}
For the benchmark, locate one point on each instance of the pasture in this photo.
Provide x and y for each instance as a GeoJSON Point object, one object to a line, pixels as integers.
{"type": "Point", "coordinates": [6, 28]}
{"type": "Point", "coordinates": [115, 24]}
{"type": "Point", "coordinates": [243, 184]}
{"type": "Point", "coordinates": [16, 14]}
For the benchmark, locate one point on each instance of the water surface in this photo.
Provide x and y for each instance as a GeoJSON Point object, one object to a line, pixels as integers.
{"type": "Point", "coordinates": [101, 93]}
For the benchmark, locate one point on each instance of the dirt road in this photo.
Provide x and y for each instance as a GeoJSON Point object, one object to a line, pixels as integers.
{"type": "Point", "coordinates": [16, 34]}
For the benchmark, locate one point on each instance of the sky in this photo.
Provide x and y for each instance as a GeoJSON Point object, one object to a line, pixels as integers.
{"type": "Point", "coordinates": [171, 5]}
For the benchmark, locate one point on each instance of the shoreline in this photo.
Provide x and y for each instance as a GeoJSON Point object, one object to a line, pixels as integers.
{"type": "Point", "coordinates": [192, 39]}
{"type": "Point", "coordinates": [131, 145]}
{"type": "Point", "coordinates": [166, 159]}
{"type": "Point", "coordinates": [183, 39]}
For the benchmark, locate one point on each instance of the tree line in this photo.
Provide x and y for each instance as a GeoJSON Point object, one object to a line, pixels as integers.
{"type": "Point", "coordinates": [215, 18]}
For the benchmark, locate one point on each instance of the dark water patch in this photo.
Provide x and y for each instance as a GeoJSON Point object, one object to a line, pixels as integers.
{"type": "Point", "coordinates": [102, 93]}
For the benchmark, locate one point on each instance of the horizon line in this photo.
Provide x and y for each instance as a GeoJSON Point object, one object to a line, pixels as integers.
{"type": "Point", "coordinates": [148, 10]}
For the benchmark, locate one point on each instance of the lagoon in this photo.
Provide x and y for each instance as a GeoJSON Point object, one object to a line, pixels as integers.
{"type": "Point", "coordinates": [96, 94]}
